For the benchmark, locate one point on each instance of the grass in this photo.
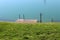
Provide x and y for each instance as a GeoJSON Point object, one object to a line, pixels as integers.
{"type": "Point", "coordinates": [38, 31]}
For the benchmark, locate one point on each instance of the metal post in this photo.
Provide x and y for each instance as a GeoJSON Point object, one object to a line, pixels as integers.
{"type": "Point", "coordinates": [52, 20]}
{"type": "Point", "coordinates": [44, 1]}
{"type": "Point", "coordinates": [40, 17]}
{"type": "Point", "coordinates": [23, 17]}
{"type": "Point", "coordinates": [19, 16]}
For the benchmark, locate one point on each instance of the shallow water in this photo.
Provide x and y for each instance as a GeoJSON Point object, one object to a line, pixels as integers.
{"type": "Point", "coordinates": [10, 9]}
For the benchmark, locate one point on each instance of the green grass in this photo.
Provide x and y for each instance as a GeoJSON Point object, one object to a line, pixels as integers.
{"type": "Point", "coordinates": [38, 31]}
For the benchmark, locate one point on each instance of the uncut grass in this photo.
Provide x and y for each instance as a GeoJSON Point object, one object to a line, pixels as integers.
{"type": "Point", "coordinates": [38, 31]}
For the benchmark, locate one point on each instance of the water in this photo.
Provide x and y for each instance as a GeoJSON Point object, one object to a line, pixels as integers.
{"type": "Point", "coordinates": [10, 9]}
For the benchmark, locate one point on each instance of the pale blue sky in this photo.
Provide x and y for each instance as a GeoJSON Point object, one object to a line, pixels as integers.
{"type": "Point", "coordinates": [10, 9]}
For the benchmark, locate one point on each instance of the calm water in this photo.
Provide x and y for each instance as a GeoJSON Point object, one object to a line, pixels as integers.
{"type": "Point", "coordinates": [10, 9]}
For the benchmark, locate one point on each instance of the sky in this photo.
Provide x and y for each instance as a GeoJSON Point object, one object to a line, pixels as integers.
{"type": "Point", "coordinates": [10, 9]}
